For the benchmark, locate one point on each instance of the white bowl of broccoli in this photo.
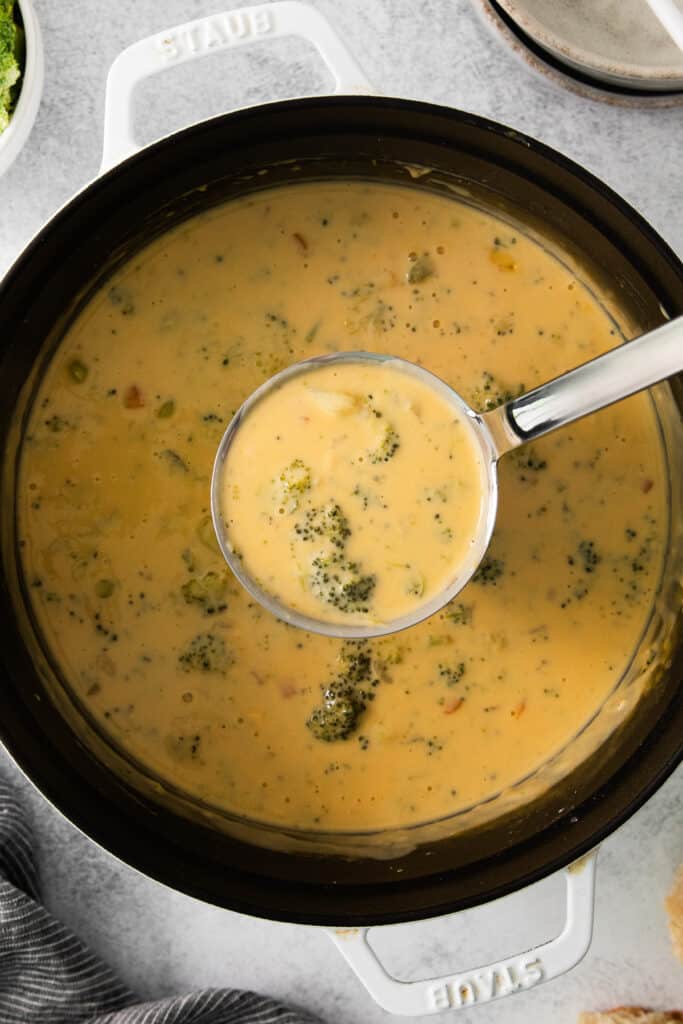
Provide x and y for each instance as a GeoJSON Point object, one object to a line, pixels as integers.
{"type": "Point", "coordinates": [22, 68]}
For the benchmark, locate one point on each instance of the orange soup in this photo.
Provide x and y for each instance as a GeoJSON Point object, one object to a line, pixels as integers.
{"type": "Point", "coordinates": [179, 666]}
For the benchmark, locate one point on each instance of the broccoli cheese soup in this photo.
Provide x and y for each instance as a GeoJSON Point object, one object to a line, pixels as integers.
{"type": "Point", "coordinates": [179, 666]}
{"type": "Point", "coordinates": [328, 486]}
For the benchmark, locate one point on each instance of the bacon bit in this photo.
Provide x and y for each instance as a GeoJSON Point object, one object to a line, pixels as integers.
{"type": "Point", "coordinates": [646, 486]}
{"type": "Point", "coordinates": [288, 689]}
{"type": "Point", "coordinates": [133, 398]}
{"type": "Point", "coordinates": [300, 241]}
{"type": "Point", "coordinates": [519, 710]}
{"type": "Point", "coordinates": [453, 705]}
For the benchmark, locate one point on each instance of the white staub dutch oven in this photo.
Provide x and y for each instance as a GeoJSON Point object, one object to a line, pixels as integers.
{"type": "Point", "coordinates": [344, 883]}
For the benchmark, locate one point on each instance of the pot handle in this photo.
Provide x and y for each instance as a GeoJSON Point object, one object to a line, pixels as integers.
{"type": "Point", "coordinates": [484, 984]}
{"type": "Point", "coordinates": [204, 36]}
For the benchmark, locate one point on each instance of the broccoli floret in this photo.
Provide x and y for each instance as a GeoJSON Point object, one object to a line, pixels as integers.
{"type": "Point", "coordinates": [489, 571]}
{"type": "Point", "coordinates": [492, 393]}
{"type": "Point", "coordinates": [206, 653]}
{"type": "Point", "coordinates": [207, 591]}
{"type": "Point", "coordinates": [335, 719]}
{"type": "Point", "coordinates": [458, 613]}
{"type": "Point", "coordinates": [297, 476]}
{"type": "Point", "coordinates": [529, 459]}
{"type": "Point", "coordinates": [342, 584]}
{"type": "Point", "coordinates": [528, 464]}
{"type": "Point", "coordinates": [452, 674]}
{"type": "Point", "coordinates": [325, 524]}
{"type": "Point", "coordinates": [346, 696]}
{"type": "Point", "coordinates": [385, 655]}
{"type": "Point", "coordinates": [586, 558]}
{"type": "Point", "coordinates": [334, 578]}
{"type": "Point", "coordinates": [386, 652]}
{"type": "Point", "coordinates": [10, 44]}
{"type": "Point", "coordinates": [356, 661]}
{"type": "Point", "coordinates": [292, 482]}
{"type": "Point", "coordinates": [387, 447]}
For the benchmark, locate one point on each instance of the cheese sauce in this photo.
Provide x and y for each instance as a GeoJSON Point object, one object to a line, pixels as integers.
{"type": "Point", "coordinates": [174, 660]}
{"type": "Point", "coordinates": [330, 490]}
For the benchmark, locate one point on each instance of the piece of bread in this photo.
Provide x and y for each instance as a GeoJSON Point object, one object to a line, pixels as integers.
{"type": "Point", "coordinates": [632, 1015]}
{"type": "Point", "coordinates": [638, 1014]}
{"type": "Point", "coordinates": [674, 906]}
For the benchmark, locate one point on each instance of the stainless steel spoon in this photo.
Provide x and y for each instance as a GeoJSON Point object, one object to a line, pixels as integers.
{"type": "Point", "coordinates": [623, 371]}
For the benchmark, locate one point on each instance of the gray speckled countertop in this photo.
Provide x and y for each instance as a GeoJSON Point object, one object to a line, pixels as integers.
{"type": "Point", "coordinates": [440, 50]}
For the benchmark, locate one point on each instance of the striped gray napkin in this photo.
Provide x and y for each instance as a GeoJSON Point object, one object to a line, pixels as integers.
{"type": "Point", "coordinates": [48, 976]}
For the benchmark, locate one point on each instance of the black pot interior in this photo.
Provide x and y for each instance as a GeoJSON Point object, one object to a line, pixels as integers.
{"type": "Point", "coordinates": [313, 139]}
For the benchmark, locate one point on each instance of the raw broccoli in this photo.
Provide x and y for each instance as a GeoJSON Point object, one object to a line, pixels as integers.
{"type": "Point", "coordinates": [11, 44]}
{"type": "Point", "coordinates": [206, 653]}
{"type": "Point", "coordinates": [207, 591]}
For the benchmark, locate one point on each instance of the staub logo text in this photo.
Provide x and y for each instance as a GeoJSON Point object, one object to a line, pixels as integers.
{"type": "Point", "coordinates": [482, 986]}
{"type": "Point", "coordinates": [215, 33]}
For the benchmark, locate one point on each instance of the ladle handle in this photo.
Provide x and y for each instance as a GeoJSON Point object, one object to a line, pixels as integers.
{"type": "Point", "coordinates": [623, 371]}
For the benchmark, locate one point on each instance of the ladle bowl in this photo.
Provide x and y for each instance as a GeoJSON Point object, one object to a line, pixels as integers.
{"type": "Point", "coordinates": [623, 371]}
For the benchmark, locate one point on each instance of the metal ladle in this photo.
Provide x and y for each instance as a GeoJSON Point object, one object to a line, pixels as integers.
{"type": "Point", "coordinates": [623, 371]}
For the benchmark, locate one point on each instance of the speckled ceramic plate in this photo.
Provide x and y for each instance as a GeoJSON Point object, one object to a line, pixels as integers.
{"type": "Point", "coordinates": [620, 42]}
